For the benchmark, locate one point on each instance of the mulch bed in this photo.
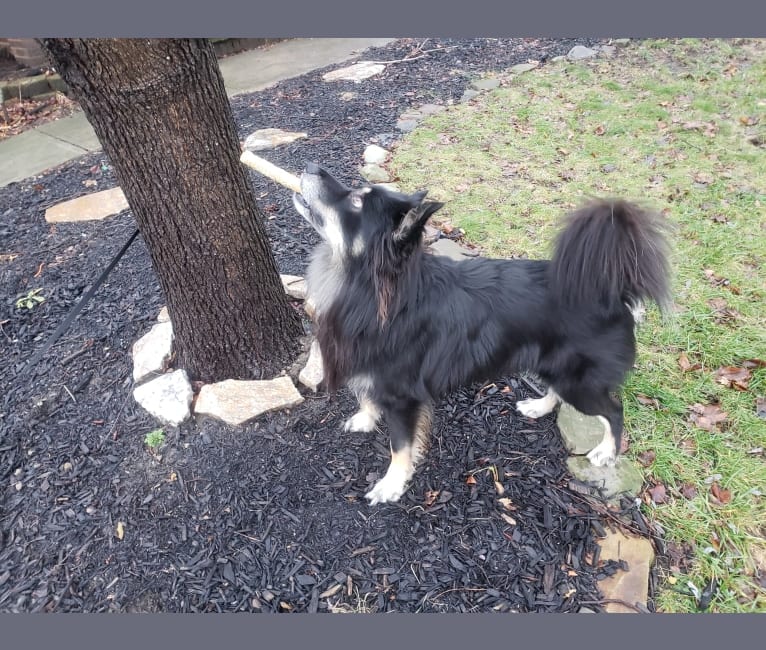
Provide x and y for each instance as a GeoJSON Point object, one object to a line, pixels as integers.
{"type": "Point", "coordinates": [269, 517]}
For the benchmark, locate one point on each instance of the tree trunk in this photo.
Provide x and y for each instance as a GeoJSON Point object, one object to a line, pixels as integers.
{"type": "Point", "coordinates": [160, 110]}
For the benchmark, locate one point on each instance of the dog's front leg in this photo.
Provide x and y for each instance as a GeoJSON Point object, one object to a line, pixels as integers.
{"type": "Point", "coordinates": [365, 419]}
{"type": "Point", "coordinates": [537, 408]}
{"type": "Point", "coordinates": [409, 426]}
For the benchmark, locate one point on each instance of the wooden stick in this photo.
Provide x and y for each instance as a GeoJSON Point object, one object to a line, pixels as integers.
{"type": "Point", "coordinates": [269, 170]}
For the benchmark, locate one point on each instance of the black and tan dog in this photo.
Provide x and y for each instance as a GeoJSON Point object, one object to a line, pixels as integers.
{"type": "Point", "coordinates": [402, 327]}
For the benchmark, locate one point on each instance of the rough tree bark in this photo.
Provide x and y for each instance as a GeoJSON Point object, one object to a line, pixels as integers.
{"type": "Point", "coordinates": [160, 110]}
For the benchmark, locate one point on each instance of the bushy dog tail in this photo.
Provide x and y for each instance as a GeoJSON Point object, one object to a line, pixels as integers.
{"type": "Point", "coordinates": [611, 252]}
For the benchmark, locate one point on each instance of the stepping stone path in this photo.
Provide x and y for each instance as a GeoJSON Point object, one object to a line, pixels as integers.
{"type": "Point", "coordinates": [375, 155]}
{"type": "Point", "coordinates": [451, 249]}
{"type": "Point", "coordinates": [168, 397]}
{"type": "Point", "coordinates": [374, 174]}
{"type": "Point", "coordinates": [152, 351]}
{"type": "Point", "coordinates": [294, 285]}
{"type": "Point", "coordinates": [631, 586]}
{"type": "Point", "coordinates": [621, 478]}
{"type": "Point", "coordinates": [237, 402]}
{"type": "Point", "coordinates": [357, 72]}
{"type": "Point", "coordinates": [95, 206]}
{"type": "Point", "coordinates": [580, 52]}
{"type": "Point", "coordinates": [313, 373]}
{"type": "Point", "coordinates": [264, 139]}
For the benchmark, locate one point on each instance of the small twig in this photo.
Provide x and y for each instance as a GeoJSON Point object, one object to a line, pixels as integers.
{"type": "Point", "coordinates": [70, 393]}
{"type": "Point", "coordinates": [423, 53]}
{"type": "Point", "coordinates": [532, 386]}
{"type": "Point", "coordinates": [617, 601]}
{"type": "Point", "coordinates": [74, 355]}
{"type": "Point", "coordinates": [3, 322]}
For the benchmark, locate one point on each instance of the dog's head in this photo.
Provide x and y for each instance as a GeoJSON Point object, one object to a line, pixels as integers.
{"type": "Point", "coordinates": [355, 220]}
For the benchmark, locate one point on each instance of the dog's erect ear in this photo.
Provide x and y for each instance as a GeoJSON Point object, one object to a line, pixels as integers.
{"type": "Point", "coordinates": [411, 226]}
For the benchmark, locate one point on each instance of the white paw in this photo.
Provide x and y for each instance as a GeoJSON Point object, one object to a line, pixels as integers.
{"type": "Point", "coordinates": [361, 422]}
{"type": "Point", "coordinates": [387, 490]}
{"type": "Point", "coordinates": [602, 455]}
{"type": "Point", "coordinates": [533, 408]}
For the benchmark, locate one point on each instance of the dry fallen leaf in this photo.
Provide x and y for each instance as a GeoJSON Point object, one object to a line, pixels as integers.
{"type": "Point", "coordinates": [647, 457]}
{"type": "Point", "coordinates": [686, 365]}
{"type": "Point", "coordinates": [471, 480]}
{"type": "Point", "coordinates": [704, 177]}
{"type": "Point", "coordinates": [688, 491]}
{"type": "Point", "coordinates": [733, 377]}
{"type": "Point", "coordinates": [707, 416]}
{"type": "Point", "coordinates": [120, 531]}
{"type": "Point", "coordinates": [508, 519]}
{"type": "Point", "coordinates": [754, 363]}
{"type": "Point", "coordinates": [721, 496]}
{"type": "Point", "coordinates": [431, 496]}
{"type": "Point", "coordinates": [499, 488]}
{"type": "Point", "coordinates": [722, 313]}
{"type": "Point", "coordinates": [658, 493]}
{"type": "Point", "coordinates": [645, 400]}
{"type": "Point", "coordinates": [760, 407]}
{"type": "Point", "coordinates": [507, 503]}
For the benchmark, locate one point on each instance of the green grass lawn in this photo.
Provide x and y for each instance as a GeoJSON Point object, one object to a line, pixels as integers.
{"type": "Point", "coordinates": [681, 126]}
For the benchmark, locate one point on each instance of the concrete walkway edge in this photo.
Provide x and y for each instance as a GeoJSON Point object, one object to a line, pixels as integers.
{"type": "Point", "coordinates": [54, 143]}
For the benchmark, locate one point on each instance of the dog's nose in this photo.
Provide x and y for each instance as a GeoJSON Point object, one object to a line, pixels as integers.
{"type": "Point", "coordinates": [313, 168]}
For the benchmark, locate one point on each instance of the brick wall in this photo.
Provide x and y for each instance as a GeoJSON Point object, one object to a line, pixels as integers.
{"type": "Point", "coordinates": [26, 51]}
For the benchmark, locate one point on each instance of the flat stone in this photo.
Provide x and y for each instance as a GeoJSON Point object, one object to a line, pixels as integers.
{"type": "Point", "coordinates": [430, 234]}
{"type": "Point", "coordinates": [374, 174]}
{"type": "Point", "coordinates": [431, 109]}
{"type": "Point", "coordinates": [468, 95]}
{"type": "Point", "coordinates": [485, 84]}
{"type": "Point", "coordinates": [152, 351]}
{"type": "Point", "coordinates": [167, 397]}
{"type": "Point", "coordinates": [348, 96]}
{"type": "Point", "coordinates": [523, 67]}
{"type": "Point", "coordinates": [607, 50]}
{"type": "Point", "coordinates": [621, 42]}
{"type": "Point", "coordinates": [375, 155]}
{"type": "Point", "coordinates": [313, 372]}
{"type": "Point", "coordinates": [295, 286]}
{"type": "Point", "coordinates": [310, 308]}
{"type": "Point", "coordinates": [405, 126]}
{"type": "Point", "coordinates": [580, 433]}
{"type": "Point", "coordinates": [621, 478]}
{"type": "Point", "coordinates": [390, 186]}
{"type": "Point", "coordinates": [386, 139]}
{"type": "Point", "coordinates": [163, 316]}
{"type": "Point", "coordinates": [450, 249]}
{"type": "Point", "coordinates": [579, 52]}
{"type": "Point", "coordinates": [411, 115]}
{"type": "Point", "coordinates": [90, 207]}
{"type": "Point", "coordinates": [238, 402]}
{"type": "Point", "coordinates": [357, 72]}
{"type": "Point", "coordinates": [632, 585]}
{"type": "Point", "coordinates": [271, 139]}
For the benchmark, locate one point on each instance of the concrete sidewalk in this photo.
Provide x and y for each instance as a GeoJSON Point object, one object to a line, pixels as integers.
{"type": "Point", "coordinates": [54, 143]}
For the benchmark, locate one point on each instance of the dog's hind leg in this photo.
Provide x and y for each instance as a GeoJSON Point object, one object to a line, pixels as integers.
{"type": "Point", "coordinates": [409, 426]}
{"type": "Point", "coordinates": [365, 419]}
{"type": "Point", "coordinates": [609, 412]}
{"type": "Point", "coordinates": [537, 408]}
